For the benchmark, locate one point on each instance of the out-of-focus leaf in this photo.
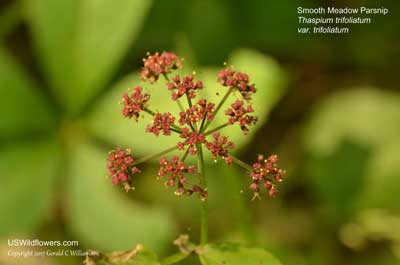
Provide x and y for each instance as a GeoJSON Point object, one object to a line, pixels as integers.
{"type": "Point", "coordinates": [21, 106]}
{"type": "Point", "coordinates": [338, 178]}
{"type": "Point", "coordinates": [28, 172]}
{"type": "Point", "coordinates": [342, 139]}
{"type": "Point", "coordinates": [269, 79]}
{"type": "Point", "coordinates": [234, 254]}
{"type": "Point", "coordinates": [371, 224]}
{"type": "Point", "coordinates": [382, 184]}
{"type": "Point", "coordinates": [100, 216]}
{"type": "Point", "coordinates": [140, 255]}
{"type": "Point", "coordinates": [81, 42]}
{"type": "Point", "coordinates": [366, 116]}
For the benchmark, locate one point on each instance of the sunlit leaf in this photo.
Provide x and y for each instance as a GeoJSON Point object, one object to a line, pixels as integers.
{"type": "Point", "coordinates": [235, 254]}
{"type": "Point", "coordinates": [100, 216]}
{"type": "Point", "coordinates": [28, 174]}
{"type": "Point", "coordinates": [80, 43]}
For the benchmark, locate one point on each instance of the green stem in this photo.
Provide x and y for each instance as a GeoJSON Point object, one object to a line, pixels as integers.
{"type": "Point", "coordinates": [242, 164]}
{"type": "Point", "coordinates": [217, 128]}
{"type": "Point", "coordinates": [219, 107]}
{"type": "Point", "coordinates": [149, 157]}
{"type": "Point", "coordinates": [175, 258]}
{"type": "Point", "coordinates": [204, 204]}
{"type": "Point", "coordinates": [180, 105]}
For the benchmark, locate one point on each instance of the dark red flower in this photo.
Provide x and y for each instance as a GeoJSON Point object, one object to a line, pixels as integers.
{"type": "Point", "coordinates": [134, 103]}
{"type": "Point", "coordinates": [121, 167]}
{"type": "Point", "coordinates": [238, 113]}
{"type": "Point", "coordinates": [190, 139]}
{"type": "Point", "coordinates": [175, 171]}
{"type": "Point", "coordinates": [266, 172]}
{"type": "Point", "coordinates": [237, 80]}
{"type": "Point", "coordinates": [156, 65]}
{"type": "Point", "coordinates": [161, 122]}
{"type": "Point", "coordinates": [185, 86]}
{"type": "Point", "coordinates": [220, 147]}
{"type": "Point", "coordinates": [197, 113]}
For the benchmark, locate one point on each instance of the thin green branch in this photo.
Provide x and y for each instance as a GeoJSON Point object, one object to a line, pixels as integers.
{"type": "Point", "coordinates": [203, 121]}
{"type": "Point", "coordinates": [204, 203]}
{"type": "Point", "coordinates": [149, 157]}
{"type": "Point", "coordinates": [220, 104]}
{"type": "Point", "coordinates": [217, 128]}
{"type": "Point", "coordinates": [185, 155]}
{"type": "Point", "coordinates": [242, 164]}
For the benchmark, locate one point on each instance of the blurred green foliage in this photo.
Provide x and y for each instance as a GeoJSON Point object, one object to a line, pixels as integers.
{"type": "Point", "coordinates": [64, 65]}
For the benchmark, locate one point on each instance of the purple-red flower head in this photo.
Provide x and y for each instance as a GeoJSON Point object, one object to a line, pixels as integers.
{"type": "Point", "coordinates": [201, 110]}
{"type": "Point", "coordinates": [190, 139]}
{"type": "Point", "coordinates": [220, 147]}
{"type": "Point", "coordinates": [134, 103]}
{"type": "Point", "coordinates": [186, 85]}
{"type": "Point", "coordinates": [161, 122]}
{"type": "Point", "coordinates": [238, 113]}
{"type": "Point", "coordinates": [265, 172]}
{"type": "Point", "coordinates": [159, 64]}
{"type": "Point", "coordinates": [121, 167]}
{"type": "Point", "coordinates": [237, 80]}
{"type": "Point", "coordinates": [175, 171]}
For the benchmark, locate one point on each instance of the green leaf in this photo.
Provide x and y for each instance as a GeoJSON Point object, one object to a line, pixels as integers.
{"type": "Point", "coordinates": [98, 213]}
{"type": "Point", "coordinates": [20, 101]}
{"type": "Point", "coordinates": [338, 178]}
{"type": "Point", "coordinates": [269, 79]}
{"type": "Point", "coordinates": [382, 184]}
{"type": "Point", "coordinates": [81, 43]}
{"type": "Point", "coordinates": [140, 255]}
{"type": "Point", "coordinates": [352, 145]}
{"type": "Point", "coordinates": [28, 174]}
{"type": "Point", "coordinates": [234, 254]}
{"type": "Point", "coordinates": [365, 116]}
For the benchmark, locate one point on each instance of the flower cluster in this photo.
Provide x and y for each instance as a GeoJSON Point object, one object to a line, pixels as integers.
{"type": "Point", "coordinates": [121, 167]}
{"type": "Point", "coordinates": [134, 103]}
{"type": "Point", "coordinates": [175, 171]}
{"type": "Point", "coordinates": [186, 86]}
{"type": "Point", "coordinates": [159, 64]}
{"type": "Point", "coordinates": [266, 172]}
{"type": "Point", "coordinates": [220, 147]}
{"type": "Point", "coordinates": [239, 113]}
{"type": "Point", "coordinates": [237, 80]}
{"type": "Point", "coordinates": [191, 139]}
{"type": "Point", "coordinates": [192, 128]}
{"type": "Point", "coordinates": [161, 122]}
{"type": "Point", "coordinates": [198, 112]}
